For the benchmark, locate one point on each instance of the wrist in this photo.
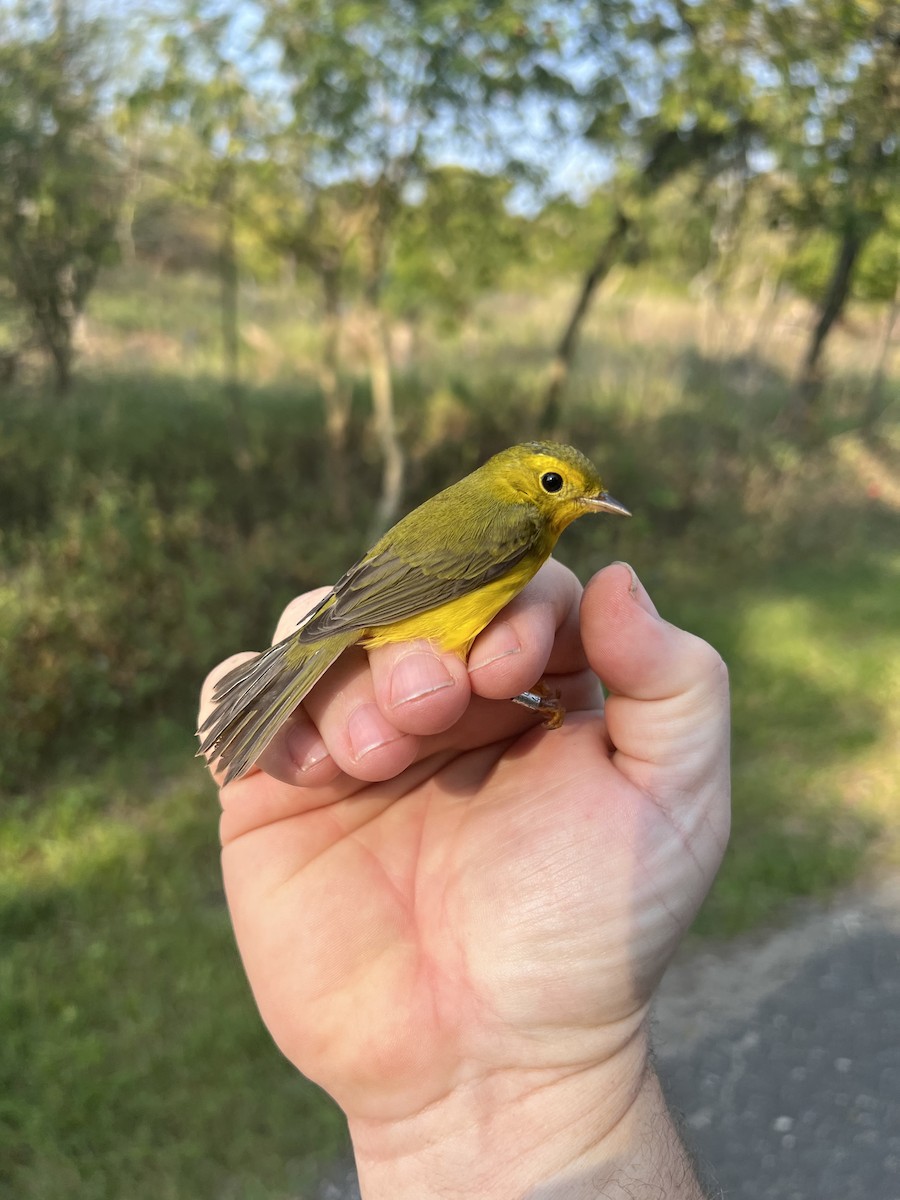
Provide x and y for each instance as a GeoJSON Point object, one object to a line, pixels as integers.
{"type": "Point", "coordinates": [537, 1133]}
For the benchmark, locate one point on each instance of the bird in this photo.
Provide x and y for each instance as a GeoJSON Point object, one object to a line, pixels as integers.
{"type": "Point", "coordinates": [442, 573]}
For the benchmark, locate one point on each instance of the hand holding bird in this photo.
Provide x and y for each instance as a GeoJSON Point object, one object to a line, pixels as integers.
{"type": "Point", "coordinates": [463, 954]}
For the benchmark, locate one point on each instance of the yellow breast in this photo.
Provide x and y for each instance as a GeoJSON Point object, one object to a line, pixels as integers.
{"type": "Point", "coordinates": [455, 625]}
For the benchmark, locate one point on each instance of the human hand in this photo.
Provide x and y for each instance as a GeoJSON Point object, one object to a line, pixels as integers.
{"type": "Point", "coordinates": [453, 920]}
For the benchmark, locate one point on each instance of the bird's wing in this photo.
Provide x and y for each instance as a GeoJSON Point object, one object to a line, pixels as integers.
{"type": "Point", "coordinates": [398, 580]}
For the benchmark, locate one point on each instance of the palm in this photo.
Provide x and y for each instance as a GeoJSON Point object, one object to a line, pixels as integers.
{"type": "Point", "coordinates": [445, 922]}
{"type": "Point", "coordinates": [509, 900]}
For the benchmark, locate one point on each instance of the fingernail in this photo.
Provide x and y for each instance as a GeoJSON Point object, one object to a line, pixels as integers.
{"type": "Point", "coordinates": [500, 642]}
{"type": "Point", "coordinates": [637, 589]}
{"type": "Point", "coordinates": [416, 675]}
{"type": "Point", "coordinates": [368, 730]}
{"type": "Point", "coordinates": [305, 747]}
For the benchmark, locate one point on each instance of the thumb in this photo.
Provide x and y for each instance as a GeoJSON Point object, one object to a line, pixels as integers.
{"type": "Point", "coordinates": [667, 713]}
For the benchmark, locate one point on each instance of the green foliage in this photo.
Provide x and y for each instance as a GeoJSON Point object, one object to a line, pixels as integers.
{"type": "Point", "coordinates": [878, 273]}
{"type": "Point", "coordinates": [454, 245]}
{"type": "Point", "coordinates": [809, 267]}
{"type": "Point", "coordinates": [877, 276]}
{"type": "Point", "coordinates": [199, 85]}
{"type": "Point", "coordinates": [120, 586]}
{"type": "Point", "coordinates": [378, 85]}
{"type": "Point", "coordinates": [59, 185]}
{"type": "Point", "coordinates": [173, 233]}
{"type": "Point", "coordinates": [562, 235]}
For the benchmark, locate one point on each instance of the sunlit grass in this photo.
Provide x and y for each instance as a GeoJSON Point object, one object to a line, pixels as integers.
{"type": "Point", "coordinates": [816, 679]}
{"type": "Point", "coordinates": [133, 1062]}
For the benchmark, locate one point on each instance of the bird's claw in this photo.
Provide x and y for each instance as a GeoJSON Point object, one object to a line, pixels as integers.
{"type": "Point", "coordinates": [545, 702]}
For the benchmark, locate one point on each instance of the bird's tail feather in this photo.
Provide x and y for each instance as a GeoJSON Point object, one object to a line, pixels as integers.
{"type": "Point", "coordinates": [253, 700]}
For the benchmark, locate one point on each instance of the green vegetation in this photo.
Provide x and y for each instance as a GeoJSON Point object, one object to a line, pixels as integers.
{"type": "Point", "coordinates": [136, 554]}
{"type": "Point", "coordinates": [251, 285]}
{"type": "Point", "coordinates": [133, 1063]}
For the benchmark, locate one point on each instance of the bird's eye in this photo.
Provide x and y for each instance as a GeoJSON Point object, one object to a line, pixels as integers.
{"type": "Point", "coordinates": [551, 481]}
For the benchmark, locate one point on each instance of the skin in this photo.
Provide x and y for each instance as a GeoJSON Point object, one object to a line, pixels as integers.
{"type": "Point", "coordinates": [455, 921]}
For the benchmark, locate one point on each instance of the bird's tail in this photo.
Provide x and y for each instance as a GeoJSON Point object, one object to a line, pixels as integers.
{"type": "Point", "coordinates": [252, 702]}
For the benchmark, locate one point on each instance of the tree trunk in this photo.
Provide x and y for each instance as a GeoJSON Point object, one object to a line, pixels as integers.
{"type": "Point", "coordinates": [767, 298]}
{"type": "Point", "coordinates": [131, 187]}
{"type": "Point", "coordinates": [228, 296]}
{"type": "Point", "coordinates": [336, 395]}
{"type": "Point", "coordinates": [876, 385]}
{"type": "Point", "coordinates": [385, 423]}
{"type": "Point", "coordinates": [565, 351]}
{"type": "Point", "coordinates": [809, 383]}
{"type": "Point", "coordinates": [381, 380]}
{"type": "Point", "coordinates": [228, 311]}
{"type": "Point", "coordinates": [48, 299]}
{"type": "Point", "coordinates": [61, 353]}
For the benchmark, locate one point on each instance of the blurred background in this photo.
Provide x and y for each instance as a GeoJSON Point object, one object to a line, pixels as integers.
{"type": "Point", "coordinates": [271, 274]}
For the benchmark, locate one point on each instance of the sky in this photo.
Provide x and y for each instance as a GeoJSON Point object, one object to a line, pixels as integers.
{"type": "Point", "coordinates": [571, 166]}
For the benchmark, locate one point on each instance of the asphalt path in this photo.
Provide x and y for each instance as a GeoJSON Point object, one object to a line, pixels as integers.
{"type": "Point", "coordinates": [781, 1052]}
{"type": "Point", "coordinates": [783, 1055]}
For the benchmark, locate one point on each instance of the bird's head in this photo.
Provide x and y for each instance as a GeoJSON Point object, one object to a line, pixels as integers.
{"type": "Point", "coordinates": [558, 479]}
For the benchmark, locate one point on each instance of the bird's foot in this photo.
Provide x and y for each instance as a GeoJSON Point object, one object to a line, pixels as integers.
{"type": "Point", "coordinates": [544, 701]}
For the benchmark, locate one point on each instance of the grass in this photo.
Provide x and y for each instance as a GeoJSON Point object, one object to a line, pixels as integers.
{"type": "Point", "coordinates": [133, 1062]}
{"type": "Point", "coordinates": [816, 681]}
{"type": "Point", "coordinates": [134, 553]}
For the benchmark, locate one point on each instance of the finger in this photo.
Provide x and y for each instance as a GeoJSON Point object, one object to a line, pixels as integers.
{"type": "Point", "coordinates": [209, 683]}
{"type": "Point", "coordinates": [206, 699]}
{"type": "Point", "coordinates": [294, 613]}
{"type": "Point", "coordinates": [636, 652]}
{"type": "Point", "coordinates": [667, 712]}
{"type": "Point", "coordinates": [253, 803]}
{"type": "Point", "coordinates": [298, 755]}
{"type": "Point", "coordinates": [538, 632]}
{"type": "Point", "coordinates": [262, 798]}
{"type": "Point", "coordinates": [359, 737]}
{"type": "Point", "coordinates": [418, 689]}
{"type": "Point", "coordinates": [295, 755]}
{"type": "Point", "coordinates": [423, 692]}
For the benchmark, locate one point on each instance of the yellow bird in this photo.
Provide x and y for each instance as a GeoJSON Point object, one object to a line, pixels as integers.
{"type": "Point", "coordinates": [442, 573]}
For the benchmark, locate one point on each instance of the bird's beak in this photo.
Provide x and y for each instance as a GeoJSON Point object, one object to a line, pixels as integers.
{"type": "Point", "coordinates": [606, 503]}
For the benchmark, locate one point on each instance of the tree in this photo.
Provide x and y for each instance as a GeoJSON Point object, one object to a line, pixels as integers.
{"type": "Point", "coordinates": [59, 176]}
{"type": "Point", "coordinates": [378, 89]}
{"type": "Point", "coordinates": [316, 228]}
{"type": "Point", "coordinates": [811, 91]}
{"type": "Point", "coordinates": [835, 137]}
{"type": "Point", "coordinates": [806, 94]}
{"type": "Point", "coordinates": [202, 92]}
{"type": "Point", "coordinates": [453, 242]}
{"type": "Point", "coordinates": [672, 96]}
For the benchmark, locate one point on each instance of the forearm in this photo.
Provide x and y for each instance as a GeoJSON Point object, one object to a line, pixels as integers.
{"type": "Point", "coordinates": [645, 1159]}
{"type": "Point", "coordinates": [599, 1131]}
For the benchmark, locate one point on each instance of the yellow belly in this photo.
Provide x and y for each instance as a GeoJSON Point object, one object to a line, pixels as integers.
{"type": "Point", "coordinates": [455, 625]}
